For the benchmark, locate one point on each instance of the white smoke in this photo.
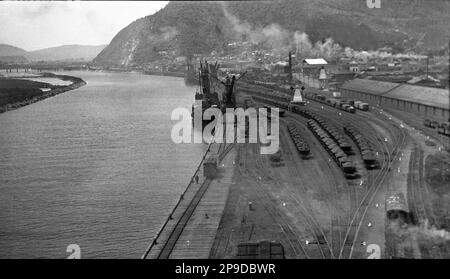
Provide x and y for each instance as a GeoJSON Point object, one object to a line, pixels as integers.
{"type": "Point", "coordinates": [271, 36]}
{"type": "Point", "coordinates": [428, 231]}
{"type": "Point", "coordinates": [380, 53]}
{"type": "Point", "coordinates": [280, 41]}
{"type": "Point", "coordinates": [168, 32]}
{"type": "Point", "coordinates": [423, 231]}
{"type": "Point", "coordinates": [302, 42]}
{"type": "Point", "coordinates": [165, 33]}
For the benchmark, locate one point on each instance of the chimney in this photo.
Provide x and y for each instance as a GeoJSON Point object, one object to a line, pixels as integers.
{"type": "Point", "coordinates": [290, 66]}
{"type": "Point", "coordinates": [290, 62]}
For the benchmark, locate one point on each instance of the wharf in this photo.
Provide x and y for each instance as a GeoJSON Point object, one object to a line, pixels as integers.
{"type": "Point", "coordinates": [191, 229]}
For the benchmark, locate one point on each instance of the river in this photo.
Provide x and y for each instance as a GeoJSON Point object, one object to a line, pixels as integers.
{"type": "Point", "coordinates": [94, 167]}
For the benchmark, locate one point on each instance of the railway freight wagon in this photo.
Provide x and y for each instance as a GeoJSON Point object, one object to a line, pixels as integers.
{"type": "Point", "coordinates": [300, 143]}
{"type": "Point", "coordinates": [444, 129]}
{"type": "Point", "coordinates": [336, 102]}
{"type": "Point", "coordinates": [349, 169]}
{"type": "Point", "coordinates": [333, 149]}
{"type": "Point", "coordinates": [337, 153]}
{"type": "Point", "coordinates": [361, 105]}
{"type": "Point", "coordinates": [344, 105]}
{"type": "Point", "coordinates": [335, 135]}
{"type": "Point", "coordinates": [329, 129]}
{"type": "Point", "coordinates": [363, 145]}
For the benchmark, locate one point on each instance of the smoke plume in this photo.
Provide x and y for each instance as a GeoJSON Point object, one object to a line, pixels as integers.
{"type": "Point", "coordinates": [165, 33]}
{"type": "Point", "coordinates": [281, 41]}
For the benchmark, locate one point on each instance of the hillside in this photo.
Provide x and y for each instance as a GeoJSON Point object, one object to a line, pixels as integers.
{"type": "Point", "coordinates": [66, 52]}
{"type": "Point", "coordinates": [9, 50]}
{"type": "Point", "coordinates": [185, 28]}
{"type": "Point", "coordinates": [12, 54]}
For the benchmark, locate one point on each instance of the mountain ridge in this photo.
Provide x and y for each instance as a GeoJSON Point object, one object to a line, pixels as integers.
{"type": "Point", "coordinates": [58, 53]}
{"type": "Point", "coordinates": [185, 28]}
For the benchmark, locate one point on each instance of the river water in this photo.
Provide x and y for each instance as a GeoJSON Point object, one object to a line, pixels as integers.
{"type": "Point", "coordinates": [94, 167]}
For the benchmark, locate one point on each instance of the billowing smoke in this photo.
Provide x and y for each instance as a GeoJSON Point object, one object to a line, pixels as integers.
{"type": "Point", "coordinates": [327, 49]}
{"type": "Point", "coordinates": [168, 32]}
{"type": "Point", "coordinates": [271, 36]}
{"type": "Point", "coordinates": [302, 42]}
{"type": "Point", "coordinates": [407, 239]}
{"type": "Point", "coordinates": [281, 41]}
{"type": "Point", "coordinates": [381, 53]}
{"type": "Point", "coordinates": [423, 231]}
{"type": "Point", "coordinates": [427, 231]}
{"type": "Point", "coordinates": [165, 33]}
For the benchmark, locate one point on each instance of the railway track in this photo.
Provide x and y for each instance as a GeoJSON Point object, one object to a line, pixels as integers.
{"type": "Point", "coordinates": [313, 225]}
{"type": "Point", "coordinates": [388, 154]}
{"type": "Point", "coordinates": [423, 213]}
{"type": "Point", "coordinates": [304, 206]}
{"type": "Point", "coordinates": [182, 222]}
{"type": "Point", "coordinates": [336, 237]}
{"type": "Point", "coordinates": [361, 209]}
{"type": "Point", "coordinates": [268, 204]}
{"type": "Point", "coordinates": [417, 204]}
{"type": "Point", "coordinates": [170, 243]}
{"type": "Point", "coordinates": [417, 191]}
{"type": "Point", "coordinates": [336, 233]}
{"type": "Point", "coordinates": [306, 210]}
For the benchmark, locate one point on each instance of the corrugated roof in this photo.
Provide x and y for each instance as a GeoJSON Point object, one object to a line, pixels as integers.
{"type": "Point", "coordinates": [420, 94]}
{"type": "Point", "coordinates": [369, 86]}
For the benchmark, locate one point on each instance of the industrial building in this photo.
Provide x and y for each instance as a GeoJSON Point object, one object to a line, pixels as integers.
{"type": "Point", "coordinates": [432, 103]}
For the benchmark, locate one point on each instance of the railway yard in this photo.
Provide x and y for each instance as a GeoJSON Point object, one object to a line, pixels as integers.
{"type": "Point", "coordinates": [369, 183]}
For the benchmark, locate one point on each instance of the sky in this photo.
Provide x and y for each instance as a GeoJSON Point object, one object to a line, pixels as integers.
{"type": "Point", "coordinates": [34, 25]}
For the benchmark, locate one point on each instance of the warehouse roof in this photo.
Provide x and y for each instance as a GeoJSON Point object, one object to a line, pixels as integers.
{"type": "Point", "coordinates": [418, 94]}
{"type": "Point", "coordinates": [316, 61]}
{"type": "Point", "coordinates": [430, 96]}
{"type": "Point", "coordinates": [369, 86]}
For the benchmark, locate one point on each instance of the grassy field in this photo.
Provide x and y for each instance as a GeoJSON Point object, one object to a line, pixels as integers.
{"type": "Point", "coordinates": [16, 90]}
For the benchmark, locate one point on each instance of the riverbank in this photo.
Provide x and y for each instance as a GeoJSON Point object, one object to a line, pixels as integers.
{"type": "Point", "coordinates": [16, 93]}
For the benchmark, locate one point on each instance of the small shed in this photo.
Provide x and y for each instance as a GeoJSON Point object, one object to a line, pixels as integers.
{"type": "Point", "coordinates": [311, 66]}
{"type": "Point", "coordinates": [396, 207]}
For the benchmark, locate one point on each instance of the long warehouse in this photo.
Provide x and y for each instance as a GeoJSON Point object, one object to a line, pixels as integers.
{"type": "Point", "coordinates": [430, 102]}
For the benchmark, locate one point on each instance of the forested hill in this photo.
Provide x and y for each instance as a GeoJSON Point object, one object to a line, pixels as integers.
{"type": "Point", "coordinates": [201, 27]}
